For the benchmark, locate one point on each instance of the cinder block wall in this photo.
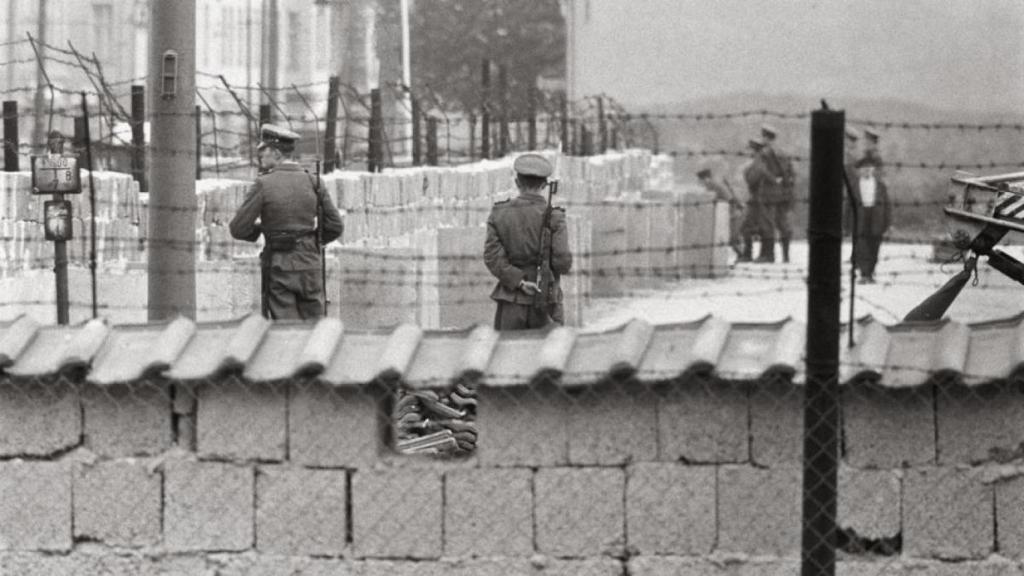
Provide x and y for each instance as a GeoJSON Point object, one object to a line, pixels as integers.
{"type": "Point", "coordinates": [693, 477]}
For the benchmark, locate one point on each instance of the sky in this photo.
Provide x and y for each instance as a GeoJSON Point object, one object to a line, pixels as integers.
{"type": "Point", "coordinates": [950, 54]}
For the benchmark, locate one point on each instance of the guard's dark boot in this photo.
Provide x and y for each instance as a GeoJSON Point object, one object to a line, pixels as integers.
{"type": "Point", "coordinates": [748, 251]}
{"type": "Point", "coordinates": [785, 250]}
{"type": "Point", "coordinates": [767, 252]}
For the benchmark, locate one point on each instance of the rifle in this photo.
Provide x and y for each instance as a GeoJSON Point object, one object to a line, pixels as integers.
{"type": "Point", "coordinates": [320, 237]}
{"type": "Point", "coordinates": [545, 276]}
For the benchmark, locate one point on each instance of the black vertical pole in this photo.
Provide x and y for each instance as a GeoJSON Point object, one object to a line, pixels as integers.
{"type": "Point", "coordinates": [375, 152]}
{"type": "Point", "coordinates": [10, 135]}
{"type": "Point", "coordinates": [199, 143]}
{"type": "Point", "coordinates": [265, 117]}
{"type": "Point", "coordinates": [821, 401]}
{"type": "Point", "coordinates": [78, 140]}
{"type": "Point", "coordinates": [531, 127]}
{"type": "Point", "coordinates": [330, 161]}
{"type": "Point", "coordinates": [417, 149]}
{"type": "Point", "coordinates": [139, 136]}
{"type": "Point", "coordinates": [92, 209]}
{"type": "Point", "coordinates": [602, 125]}
{"type": "Point", "coordinates": [485, 112]}
{"type": "Point", "coordinates": [472, 137]}
{"type": "Point", "coordinates": [432, 141]}
{"type": "Point", "coordinates": [503, 134]}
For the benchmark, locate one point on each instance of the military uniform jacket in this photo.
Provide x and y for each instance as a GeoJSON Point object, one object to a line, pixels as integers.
{"type": "Point", "coordinates": [779, 185]}
{"type": "Point", "coordinates": [284, 200]}
{"type": "Point", "coordinates": [512, 247]}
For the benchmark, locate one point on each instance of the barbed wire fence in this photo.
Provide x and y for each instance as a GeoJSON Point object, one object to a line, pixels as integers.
{"type": "Point", "coordinates": [628, 468]}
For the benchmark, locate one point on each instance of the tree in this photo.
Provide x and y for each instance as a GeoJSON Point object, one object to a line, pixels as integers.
{"type": "Point", "coordinates": [450, 39]}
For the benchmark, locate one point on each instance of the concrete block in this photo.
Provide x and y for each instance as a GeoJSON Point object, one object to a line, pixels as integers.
{"type": "Point", "coordinates": [118, 503]}
{"type": "Point", "coordinates": [759, 510]}
{"type": "Point", "coordinates": [522, 426]}
{"type": "Point", "coordinates": [979, 424]}
{"type": "Point", "coordinates": [704, 422]}
{"type": "Point", "coordinates": [488, 512]}
{"type": "Point", "coordinates": [947, 514]}
{"type": "Point", "coordinates": [583, 567]}
{"type": "Point", "coordinates": [397, 513]}
{"type": "Point", "coordinates": [776, 424]}
{"type": "Point", "coordinates": [464, 281]}
{"type": "Point", "coordinates": [695, 566]}
{"type": "Point", "coordinates": [670, 508]}
{"type": "Point", "coordinates": [609, 249]}
{"type": "Point", "coordinates": [915, 567]}
{"type": "Point", "coordinates": [613, 424]}
{"type": "Point", "coordinates": [99, 563]}
{"type": "Point", "coordinates": [208, 506]}
{"type": "Point", "coordinates": [885, 428]}
{"type": "Point", "coordinates": [38, 418]}
{"type": "Point", "coordinates": [579, 511]}
{"type": "Point", "coordinates": [869, 502]}
{"type": "Point", "coordinates": [1010, 516]}
{"type": "Point", "coordinates": [453, 567]}
{"type": "Point", "coordinates": [270, 565]}
{"type": "Point", "coordinates": [333, 427]}
{"type": "Point", "coordinates": [236, 420]}
{"type": "Point", "coordinates": [694, 237]}
{"type": "Point", "coordinates": [300, 512]}
{"type": "Point", "coordinates": [378, 286]}
{"type": "Point", "coordinates": [128, 419]}
{"type": "Point", "coordinates": [35, 506]}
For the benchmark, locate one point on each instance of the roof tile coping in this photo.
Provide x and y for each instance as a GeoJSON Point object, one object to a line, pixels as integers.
{"type": "Point", "coordinates": [17, 336]}
{"type": "Point", "coordinates": [133, 351]}
{"type": "Point", "coordinates": [54, 349]}
{"type": "Point", "coordinates": [219, 348]}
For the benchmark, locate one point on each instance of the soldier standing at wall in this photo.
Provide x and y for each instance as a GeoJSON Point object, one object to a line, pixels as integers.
{"type": "Point", "coordinates": [282, 205]}
{"type": "Point", "coordinates": [513, 250]}
{"type": "Point", "coordinates": [724, 193]}
{"type": "Point", "coordinates": [778, 194]}
{"type": "Point", "coordinates": [755, 222]}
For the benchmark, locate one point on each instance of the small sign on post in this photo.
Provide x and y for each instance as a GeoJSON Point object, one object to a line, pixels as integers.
{"type": "Point", "coordinates": [52, 174]}
{"type": "Point", "coordinates": [57, 220]}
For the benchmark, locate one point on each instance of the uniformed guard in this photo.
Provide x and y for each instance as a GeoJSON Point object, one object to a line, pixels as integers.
{"type": "Point", "coordinates": [282, 205]}
{"type": "Point", "coordinates": [724, 193]}
{"type": "Point", "coordinates": [514, 255]}
{"type": "Point", "coordinates": [777, 194]}
{"type": "Point", "coordinates": [753, 218]}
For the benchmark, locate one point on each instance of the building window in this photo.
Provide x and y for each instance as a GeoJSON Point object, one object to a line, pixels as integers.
{"type": "Point", "coordinates": [103, 29]}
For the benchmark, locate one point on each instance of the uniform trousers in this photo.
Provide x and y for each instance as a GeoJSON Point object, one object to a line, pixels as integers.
{"type": "Point", "coordinates": [513, 316]}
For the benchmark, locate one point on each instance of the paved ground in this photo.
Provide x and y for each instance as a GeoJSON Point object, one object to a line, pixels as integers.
{"type": "Point", "coordinates": [765, 292]}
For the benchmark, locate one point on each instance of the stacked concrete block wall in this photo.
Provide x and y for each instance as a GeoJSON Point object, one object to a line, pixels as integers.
{"type": "Point", "coordinates": [684, 478]}
{"type": "Point", "coordinates": [435, 215]}
{"type": "Point", "coordinates": [120, 222]}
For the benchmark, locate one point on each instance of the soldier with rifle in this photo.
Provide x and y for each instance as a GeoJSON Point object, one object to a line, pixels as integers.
{"type": "Point", "coordinates": [296, 219]}
{"type": "Point", "coordinates": [527, 250]}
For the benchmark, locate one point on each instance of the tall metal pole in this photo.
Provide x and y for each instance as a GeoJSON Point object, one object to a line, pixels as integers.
{"type": "Point", "coordinates": [92, 209]}
{"type": "Point", "coordinates": [331, 129]}
{"type": "Point", "coordinates": [485, 112]}
{"type": "Point", "coordinates": [172, 198]}
{"type": "Point", "coordinates": [821, 394]}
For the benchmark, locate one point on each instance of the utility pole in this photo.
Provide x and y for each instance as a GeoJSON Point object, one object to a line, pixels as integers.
{"type": "Point", "coordinates": [172, 197]}
{"type": "Point", "coordinates": [271, 40]}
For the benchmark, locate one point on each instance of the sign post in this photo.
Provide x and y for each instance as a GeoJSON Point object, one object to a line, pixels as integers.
{"type": "Point", "coordinates": [58, 174]}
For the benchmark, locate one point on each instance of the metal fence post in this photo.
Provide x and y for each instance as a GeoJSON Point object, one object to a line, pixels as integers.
{"type": "Point", "coordinates": [432, 141]}
{"type": "Point", "coordinates": [10, 136]}
{"type": "Point", "coordinates": [485, 112]}
{"type": "Point", "coordinates": [331, 129]}
{"type": "Point", "coordinates": [139, 136]}
{"type": "Point", "coordinates": [375, 152]}
{"type": "Point", "coordinates": [821, 400]}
